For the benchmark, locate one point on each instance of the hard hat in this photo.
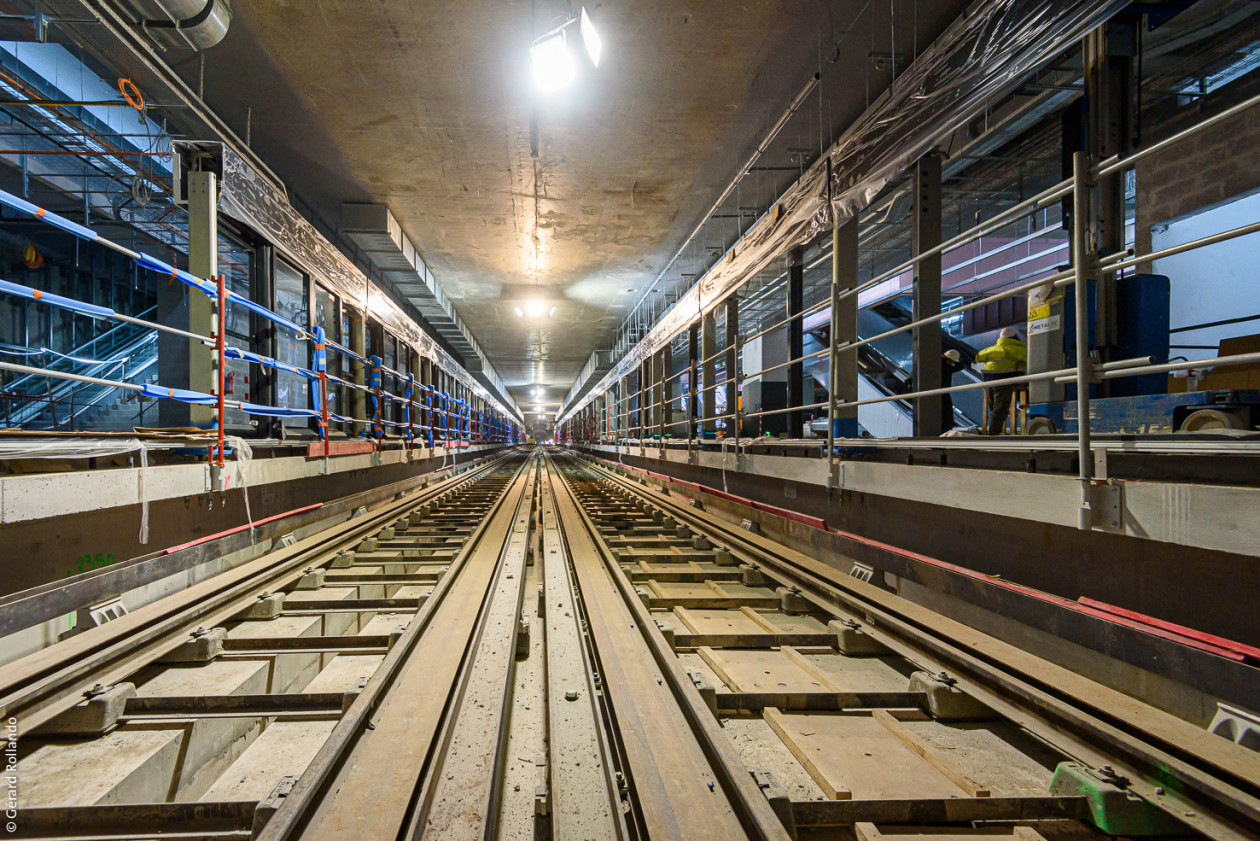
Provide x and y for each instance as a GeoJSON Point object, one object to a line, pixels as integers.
{"type": "Point", "coordinates": [953, 355]}
{"type": "Point", "coordinates": [1009, 333]}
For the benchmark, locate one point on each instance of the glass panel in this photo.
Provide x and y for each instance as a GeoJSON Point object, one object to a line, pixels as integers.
{"type": "Point", "coordinates": [326, 308]}
{"type": "Point", "coordinates": [388, 383]}
{"type": "Point", "coordinates": [292, 390]}
{"type": "Point", "coordinates": [234, 264]}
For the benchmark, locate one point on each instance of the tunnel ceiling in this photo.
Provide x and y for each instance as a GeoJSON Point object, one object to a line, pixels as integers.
{"type": "Point", "coordinates": [427, 106]}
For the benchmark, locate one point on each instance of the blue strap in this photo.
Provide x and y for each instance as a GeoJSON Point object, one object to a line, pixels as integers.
{"type": "Point", "coordinates": [267, 362]}
{"type": "Point", "coordinates": [183, 395]}
{"type": "Point", "coordinates": [48, 216]}
{"type": "Point", "coordinates": [321, 351]}
{"type": "Point", "coordinates": [275, 411]}
{"type": "Point", "coordinates": [55, 300]}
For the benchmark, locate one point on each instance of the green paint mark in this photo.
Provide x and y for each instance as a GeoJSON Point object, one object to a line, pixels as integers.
{"type": "Point", "coordinates": [89, 562]}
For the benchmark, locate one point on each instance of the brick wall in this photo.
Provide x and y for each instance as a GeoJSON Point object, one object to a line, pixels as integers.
{"type": "Point", "coordinates": [1217, 164]}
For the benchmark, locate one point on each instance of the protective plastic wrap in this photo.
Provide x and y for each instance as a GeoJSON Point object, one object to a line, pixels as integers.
{"type": "Point", "coordinates": [247, 197]}
{"type": "Point", "coordinates": [71, 448]}
{"type": "Point", "coordinates": [982, 55]}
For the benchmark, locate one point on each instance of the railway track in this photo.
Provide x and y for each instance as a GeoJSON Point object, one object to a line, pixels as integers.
{"type": "Point", "coordinates": [542, 647]}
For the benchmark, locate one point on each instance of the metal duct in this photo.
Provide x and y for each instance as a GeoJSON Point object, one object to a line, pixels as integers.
{"type": "Point", "coordinates": [377, 234]}
{"type": "Point", "coordinates": [194, 24]}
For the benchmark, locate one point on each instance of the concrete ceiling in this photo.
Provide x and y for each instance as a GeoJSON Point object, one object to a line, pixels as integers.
{"type": "Point", "coordinates": [427, 107]}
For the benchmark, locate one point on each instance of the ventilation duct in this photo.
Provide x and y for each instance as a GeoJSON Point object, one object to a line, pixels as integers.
{"type": "Point", "coordinates": [187, 24]}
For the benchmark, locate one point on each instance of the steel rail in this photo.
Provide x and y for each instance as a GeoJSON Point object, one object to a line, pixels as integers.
{"type": "Point", "coordinates": [314, 808]}
{"type": "Point", "coordinates": [452, 792]}
{"type": "Point", "coordinates": [37, 688]}
{"type": "Point", "coordinates": [1209, 783]}
{"type": "Point", "coordinates": [750, 806]}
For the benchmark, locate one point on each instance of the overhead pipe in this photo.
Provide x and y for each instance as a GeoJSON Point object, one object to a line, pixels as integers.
{"type": "Point", "coordinates": [194, 24]}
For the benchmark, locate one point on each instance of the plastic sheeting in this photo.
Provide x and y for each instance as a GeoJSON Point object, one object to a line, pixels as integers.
{"type": "Point", "coordinates": [247, 197]}
{"type": "Point", "coordinates": [63, 448]}
{"type": "Point", "coordinates": [982, 55]}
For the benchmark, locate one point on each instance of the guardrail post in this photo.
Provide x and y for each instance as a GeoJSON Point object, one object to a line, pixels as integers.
{"type": "Point", "coordinates": [693, 391]}
{"type": "Point", "coordinates": [926, 228]}
{"type": "Point", "coordinates": [708, 373]}
{"type": "Point", "coordinates": [731, 363]}
{"type": "Point", "coordinates": [796, 341]}
{"type": "Point", "coordinates": [667, 409]}
{"type": "Point", "coordinates": [842, 383]}
{"type": "Point", "coordinates": [1082, 256]}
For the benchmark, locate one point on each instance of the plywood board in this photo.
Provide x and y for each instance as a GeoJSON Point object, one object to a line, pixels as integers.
{"type": "Point", "coordinates": [762, 670]}
{"type": "Point", "coordinates": [869, 832]}
{"type": "Point", "coordinates": [680, 590]}
{"type": "Point", "coordinates": [853, 756]}
{"type": "Point", "coordinates": [700, 621]}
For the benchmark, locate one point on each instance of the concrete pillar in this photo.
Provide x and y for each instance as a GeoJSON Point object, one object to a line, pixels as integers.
{"type": "Point", "coordinates": [796, 341]}
{"type": "Point", "coordinates": [708, 372]}
{"type": "Point", "coordinates": [731, 360]}
{"type": "Point", "coordinates": [844, 272]}
{"type": "Point", "coordinates": [187, 363]}
{"type": "Point", "coordinates": [926, 234]}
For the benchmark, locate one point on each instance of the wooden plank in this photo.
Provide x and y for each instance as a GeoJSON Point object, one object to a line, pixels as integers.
{"type": "Point", "coordinates": [755, 639]}
{"type": "Point", "coordinates": [712, 602]}
{"type": "Point", "coordinates": [710, 622]}
{"type": "Point", "coordinates": [810, 667]}
{"type": "Point", "coordinates": [711, 657]}
{"type": "Point", "coordinates": [865, 831]}
{"type": "Point", "coordinates": [851, 752]}
{"type": "Point", "coordinates": [765, 624]}
{"type": "Point", "coordinates": [924, 749]}
{"type": "Point", "coordinates": [819, 814]}
{"type": "Point", "coordinates": [753, 670]}
{"type": "Point", "coordinates": [777, 723]}
{"type": "Point", "coordinates": [689, 621]}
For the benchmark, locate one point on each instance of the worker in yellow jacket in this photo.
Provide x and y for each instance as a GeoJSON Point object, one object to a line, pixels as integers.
{"type": "Point", "coordinates": [1007, 358]}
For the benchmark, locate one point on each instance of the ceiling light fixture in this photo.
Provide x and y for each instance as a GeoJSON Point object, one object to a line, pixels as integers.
{"type": "Point", "coordinates": [535, 308]}
{"type": "Point", "coordinates": [553, 62]}
{"type": "Point", "coordinates": [590, 38]}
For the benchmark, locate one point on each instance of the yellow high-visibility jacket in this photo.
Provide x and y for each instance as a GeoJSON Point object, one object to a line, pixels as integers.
{"type": "Point", "coordinates": [1006, 355]}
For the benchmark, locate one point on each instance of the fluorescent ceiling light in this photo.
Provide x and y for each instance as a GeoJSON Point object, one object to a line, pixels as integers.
{"type": "Point", "coordinates": [590, 38]}
{"type": "Point", "coordinates": [519, 314]}
{"type": "Point", "coordinates": [535, 308]}
{"type": "Point", "coordinates": [552, 312]}
{"type": "Point", "coordinates": [553, 63]}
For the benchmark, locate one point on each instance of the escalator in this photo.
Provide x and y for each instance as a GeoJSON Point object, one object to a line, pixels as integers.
{"type": "Point", "coordinates": [885, 369]}
{"type": "Point", "coordinates": [125, 353]}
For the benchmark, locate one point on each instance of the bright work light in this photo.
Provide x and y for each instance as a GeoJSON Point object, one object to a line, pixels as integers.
{"type": "Point", "coordinates": [535, 308]}
{"type": "Point", "coordinates": [590, 38]}
{"type": "Point", "coordinates": [553, 64]}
